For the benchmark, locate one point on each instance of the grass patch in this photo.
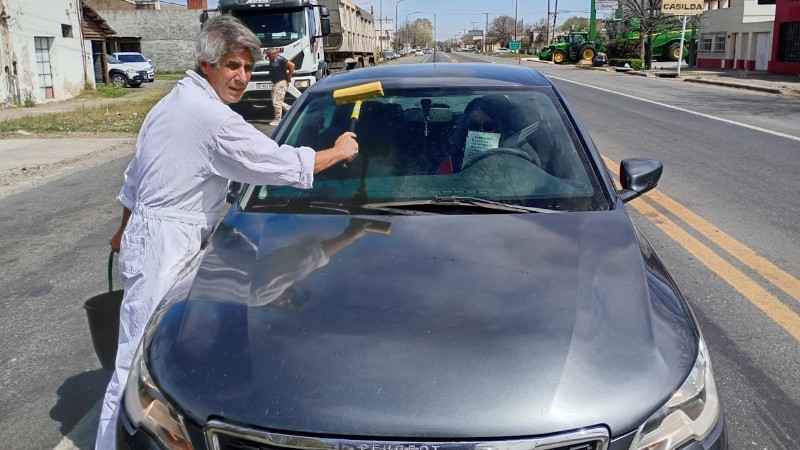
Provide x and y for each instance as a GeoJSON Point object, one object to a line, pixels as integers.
{"type": "Point", "coordinates": [170, 76]}
{"type": "Point", "coordinates": [119, 117]}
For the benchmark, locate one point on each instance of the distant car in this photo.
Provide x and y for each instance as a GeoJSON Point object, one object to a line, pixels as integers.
{"type": "Point", "coordinates": [388, 54]}
{"type": "Point", "coordinates": [138, 62]}
{"type": "Point", "coordinates": [123, 74]}
{"type": "Point", "coordinates": [418, 53]}
{"type": "Point", "coordinates": [472, 280]}
{"type": "Point", "coordinates": [428, 51]}
{"type": "Point", "coordinates": [448, 50]}
{"type": "Point", "coordinates": [501, 51]}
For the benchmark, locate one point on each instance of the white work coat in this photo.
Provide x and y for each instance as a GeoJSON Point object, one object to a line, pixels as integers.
{"type": "Point", "coordinates": [190, 145]}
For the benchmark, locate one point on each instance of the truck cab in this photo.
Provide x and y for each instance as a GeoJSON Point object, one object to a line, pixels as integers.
{"type": "Point", "coordinates": [296, 28]}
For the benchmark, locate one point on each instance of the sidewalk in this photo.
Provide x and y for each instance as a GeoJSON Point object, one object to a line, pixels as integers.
{"type": "Point", "coordinates": [772, 83]}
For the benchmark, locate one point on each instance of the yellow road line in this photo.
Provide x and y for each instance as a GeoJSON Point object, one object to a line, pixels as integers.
{"type": "Point", "coordinates": [774, 274]}
{"type": "Point", "coordinates": [758, 263]}
{"type": "Point", "coordinates": [758, 296]}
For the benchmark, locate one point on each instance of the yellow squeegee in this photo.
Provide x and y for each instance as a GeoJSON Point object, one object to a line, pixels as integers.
{"type": "Point", "coordinates": [356, 94]}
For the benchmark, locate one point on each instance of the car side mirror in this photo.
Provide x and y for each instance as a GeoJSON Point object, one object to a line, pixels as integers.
{"type": "Point", "coordinates": [637, 176]}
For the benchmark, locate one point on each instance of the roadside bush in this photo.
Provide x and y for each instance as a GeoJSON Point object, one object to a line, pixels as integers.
{"type": "Point", "coordinates": [622, 48]}
{"type": "Point", "coordinates": [634, 63]}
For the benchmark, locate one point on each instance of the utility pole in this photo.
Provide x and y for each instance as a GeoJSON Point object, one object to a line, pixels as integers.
{"type": "Point", "coordinates": [516, 3]}
{"type": "Point", "coordinates": [380, 15]}
{"type": "Point", "coordinates": [486, 32]}
{"type": "Point", "coordinates": [548, 22]}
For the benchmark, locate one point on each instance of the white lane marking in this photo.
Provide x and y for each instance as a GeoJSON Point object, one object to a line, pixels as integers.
{"type": "Point", "coordinates": [707, 116]}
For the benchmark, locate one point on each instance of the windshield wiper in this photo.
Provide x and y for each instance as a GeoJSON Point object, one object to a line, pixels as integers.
{"type": "Point", "coordinates": [455, 200]}
{"type": "Point", "coordinates": [299, 205]}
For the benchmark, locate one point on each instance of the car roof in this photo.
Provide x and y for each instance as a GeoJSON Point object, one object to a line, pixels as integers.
{"type": "Point", "coordinates": [126, 53]}
{"type": "Point", "coordinates": [438, 75]}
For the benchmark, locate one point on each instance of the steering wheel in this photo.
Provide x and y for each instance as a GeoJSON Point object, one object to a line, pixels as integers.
{"type": "Point", "coordinates": [509, 151]}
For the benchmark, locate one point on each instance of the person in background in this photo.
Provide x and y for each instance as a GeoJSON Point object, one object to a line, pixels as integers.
{"type": "Point", "coordinates": [190, 145]}
{"type": "Point", "coordinates": [281, 72]}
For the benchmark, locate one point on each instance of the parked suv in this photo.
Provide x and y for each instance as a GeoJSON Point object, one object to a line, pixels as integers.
{"type": "Point", "coordinates": [138, 62]}
{"type": "Point", "coordinates": [123, 74]}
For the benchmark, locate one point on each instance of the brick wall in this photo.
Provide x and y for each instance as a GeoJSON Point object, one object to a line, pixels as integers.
{"type": "Point", "coordinates": [167, 36]}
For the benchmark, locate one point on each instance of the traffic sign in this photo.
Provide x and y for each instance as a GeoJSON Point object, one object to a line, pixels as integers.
{"type": "Point", "coordinates": [514, 45]}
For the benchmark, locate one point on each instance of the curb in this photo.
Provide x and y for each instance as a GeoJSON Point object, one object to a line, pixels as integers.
{"type": "Point", "coordinates": [768, 90]}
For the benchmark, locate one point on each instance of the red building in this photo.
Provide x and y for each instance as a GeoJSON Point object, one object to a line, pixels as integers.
{"type": "Point", "coordinates": [786, 38]}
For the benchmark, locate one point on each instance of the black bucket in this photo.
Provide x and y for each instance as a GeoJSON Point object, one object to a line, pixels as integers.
{"type": "Point", "coordinates": [103, 314]}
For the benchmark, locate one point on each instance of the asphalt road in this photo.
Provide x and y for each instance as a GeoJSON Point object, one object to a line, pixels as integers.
{"type": "Point", "coordinates": [724, 221]}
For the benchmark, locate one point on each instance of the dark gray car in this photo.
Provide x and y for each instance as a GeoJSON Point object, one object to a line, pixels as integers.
{"type": "Point", "coordinates": [471, 281]}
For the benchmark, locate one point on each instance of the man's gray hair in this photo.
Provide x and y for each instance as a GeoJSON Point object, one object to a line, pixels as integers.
{"type": "Point", "coordinates": [223, 34]}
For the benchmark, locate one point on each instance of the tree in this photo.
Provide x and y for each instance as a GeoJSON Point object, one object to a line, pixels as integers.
{"type": "Point", "coordinates": [501, 31]}
{"type": "Point", "coordinates": [575, 23]}
{"type": "Point", "coordinates": [418, 33]}
{"type": "Point", "coordinates": [648, 14]}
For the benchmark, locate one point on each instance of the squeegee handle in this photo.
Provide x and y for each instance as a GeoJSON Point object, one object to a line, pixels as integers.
{"type": "Point", "coordinates": [354, 115]}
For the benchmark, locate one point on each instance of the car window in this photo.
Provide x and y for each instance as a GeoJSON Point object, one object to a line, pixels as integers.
{"type": "Point", "coordinates": [416, 145]}
{"type": "Point", "coordinates": [112, 60]}
{"type": "Point", "coordinates": [131, 57]}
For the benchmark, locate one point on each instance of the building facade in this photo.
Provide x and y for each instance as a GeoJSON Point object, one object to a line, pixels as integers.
{"type": "Point", "coordinates": [786, 38]}
{"type": "Point", "coordinates": [736, 34]}
{"type": "Point", "coordinates": [43, 56]}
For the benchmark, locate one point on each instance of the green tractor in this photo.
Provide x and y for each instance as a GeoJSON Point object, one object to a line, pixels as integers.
{"type": "Point", "coordinates": [666, 38]}
{"type": "Point", "coordinates": [569, 48]}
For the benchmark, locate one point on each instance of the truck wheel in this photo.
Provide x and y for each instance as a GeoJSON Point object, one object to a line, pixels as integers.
{"type": "Point", "coordinates": [673, 52]}
{"type": "Point", "coordinates": [559, 57]}
{"type": "Point", "coordinates": [119, 80]}
{"type": "Point", "coordinates": [587, 53]}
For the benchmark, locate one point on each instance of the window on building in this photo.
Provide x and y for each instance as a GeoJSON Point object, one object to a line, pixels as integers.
{"type": "Point", "coordinates": [789, 42]}
{"type": "Point", "coordinates": [706, 43]}
{"type": "Point", "coordinates": [43, 68]}
{"type": "Point", "coordinates": [719, 43]}
{"type": "Point", "coordinates": [714, 4]}
{"type": "Point", "coordinates": [725, 4]}
{"type": "Point", "coordinates": [66, 30]}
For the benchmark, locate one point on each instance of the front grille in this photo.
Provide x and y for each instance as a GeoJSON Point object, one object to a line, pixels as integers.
{"type": "Point", "coordinates": [222, 436]}
{"type": "Point", "coordinates": [143, 74]}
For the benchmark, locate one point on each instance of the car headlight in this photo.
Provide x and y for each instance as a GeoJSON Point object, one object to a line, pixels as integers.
{"type": "Point", "coordinates": [302, 84]}
{"type": "Point", "coordinates": [131, 72]}
{"type": "Point", "coordinates": [147, 408]}
{"type": "Point", "coordinates": [690, 414]}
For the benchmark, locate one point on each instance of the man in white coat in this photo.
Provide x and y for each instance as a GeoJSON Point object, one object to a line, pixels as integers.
{"type": "Point", "coordinates": [190, 145]}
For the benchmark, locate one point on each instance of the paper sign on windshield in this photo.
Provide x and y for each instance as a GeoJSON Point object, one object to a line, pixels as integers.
{"type": "Point", "coordinates": [478, 142]}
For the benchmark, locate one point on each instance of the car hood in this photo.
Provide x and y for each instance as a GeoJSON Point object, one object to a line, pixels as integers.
{"type": "Point", "coordinates": [425, 326]}
{"type": "Point", "coordinates": [136, 65]}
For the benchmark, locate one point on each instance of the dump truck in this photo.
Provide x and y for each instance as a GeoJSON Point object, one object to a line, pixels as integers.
{"type": "Point", "coordinates": [572, 47]}
{"type": "Point", "coordinates": [320, 37]}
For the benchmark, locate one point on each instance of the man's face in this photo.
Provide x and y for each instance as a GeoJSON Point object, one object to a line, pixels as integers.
{"type": "Point", "coordinates": [271, 55]}
{"type": "Point", "coordinates": [229, 78]}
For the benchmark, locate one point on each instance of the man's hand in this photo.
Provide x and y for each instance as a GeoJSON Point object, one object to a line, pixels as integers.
{"type": "Point", "coordinates": [344, 149]}
{"type": "Point", "coordinates": [348, 145]}
{"type": "Point", "coordinates": [115, 241]}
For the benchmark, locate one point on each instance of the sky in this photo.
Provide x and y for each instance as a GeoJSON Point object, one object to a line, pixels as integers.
{"type": "Point", "coordinates": [453, 17]}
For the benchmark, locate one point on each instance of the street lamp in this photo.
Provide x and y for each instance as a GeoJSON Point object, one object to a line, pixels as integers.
{"type": "Point", "coordinates": [406, 25]}
{"type": "Point", "coordinates": [395, 19]}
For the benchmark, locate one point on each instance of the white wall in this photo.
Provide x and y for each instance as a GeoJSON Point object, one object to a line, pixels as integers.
{"type": "Point", "coordinates": [70, 57]}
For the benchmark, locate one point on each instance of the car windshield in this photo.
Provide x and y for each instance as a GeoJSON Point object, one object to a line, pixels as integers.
{"type": "Point", "coordinates": [420, 147]}
{"type": "Point", "coordinates": [112, 60]}
{"type": "Point", "coordinates": [131, 57]}
{"type": "Point", "coordinates": [276, 29]}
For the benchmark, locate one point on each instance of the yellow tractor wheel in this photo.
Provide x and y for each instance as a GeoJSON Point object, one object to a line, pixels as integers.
{"type": "Point", "coordinates": [558, 57]}
{"type": "Point", "coordinates": [588, 53]}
